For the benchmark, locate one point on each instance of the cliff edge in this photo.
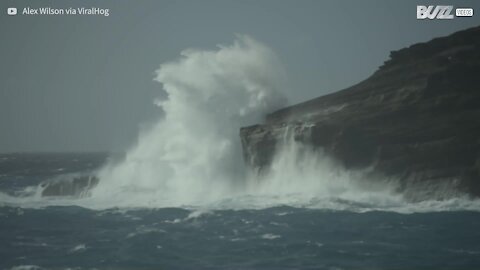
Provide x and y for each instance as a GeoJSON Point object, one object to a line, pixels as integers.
{"type": "Point", "coordinates": [416, 119]}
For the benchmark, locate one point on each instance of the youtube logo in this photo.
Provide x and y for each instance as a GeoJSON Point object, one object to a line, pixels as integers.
{"type": "Point", "coordinates": [12, 11]}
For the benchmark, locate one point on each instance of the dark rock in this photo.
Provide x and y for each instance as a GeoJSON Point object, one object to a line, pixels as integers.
{"type": "Point", "coordinates": [416, 119]}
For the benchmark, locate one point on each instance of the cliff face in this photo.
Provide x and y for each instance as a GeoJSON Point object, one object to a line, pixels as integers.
{"type": "Point", "coordinates": [416, 119]}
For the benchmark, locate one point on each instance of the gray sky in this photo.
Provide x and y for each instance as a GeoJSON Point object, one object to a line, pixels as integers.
{"type": "Point", "coordinates": [83, 83]}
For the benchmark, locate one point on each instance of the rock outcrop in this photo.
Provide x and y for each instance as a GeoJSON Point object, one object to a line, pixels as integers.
{"type": "Point", "coordinates": [416, 119]}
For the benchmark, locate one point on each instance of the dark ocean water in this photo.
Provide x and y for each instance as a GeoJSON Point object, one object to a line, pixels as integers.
{"type": "Point", "coordinates": [282, 237]}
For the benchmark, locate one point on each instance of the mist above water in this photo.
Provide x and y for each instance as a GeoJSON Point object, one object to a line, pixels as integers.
{"type": "Point", "coordinates": [194, 153]}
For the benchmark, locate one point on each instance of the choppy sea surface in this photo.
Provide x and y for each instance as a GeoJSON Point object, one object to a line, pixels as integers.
{"type": "Point", "coordinates": [278, 237]}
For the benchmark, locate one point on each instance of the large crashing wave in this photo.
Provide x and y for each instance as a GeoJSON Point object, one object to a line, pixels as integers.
{"type": "Point", "coordinates": [194, 154]}
{"type": "Point", "coordinates": [192, 157]}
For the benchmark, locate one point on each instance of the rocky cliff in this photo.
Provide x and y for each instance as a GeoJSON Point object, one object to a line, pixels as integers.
{"type": "Point", "coordinates": [416, 119]}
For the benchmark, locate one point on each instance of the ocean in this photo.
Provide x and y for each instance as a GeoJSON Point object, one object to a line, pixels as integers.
{"type": "Point", "coordinates": [60, 233]}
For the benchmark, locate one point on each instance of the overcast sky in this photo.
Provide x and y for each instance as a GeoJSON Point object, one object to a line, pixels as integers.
{"type": "Point", "coordinates": [85, 83]}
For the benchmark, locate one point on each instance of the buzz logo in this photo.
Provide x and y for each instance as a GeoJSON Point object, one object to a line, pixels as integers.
{"type": "Point", "coordinates": [434, 12]}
